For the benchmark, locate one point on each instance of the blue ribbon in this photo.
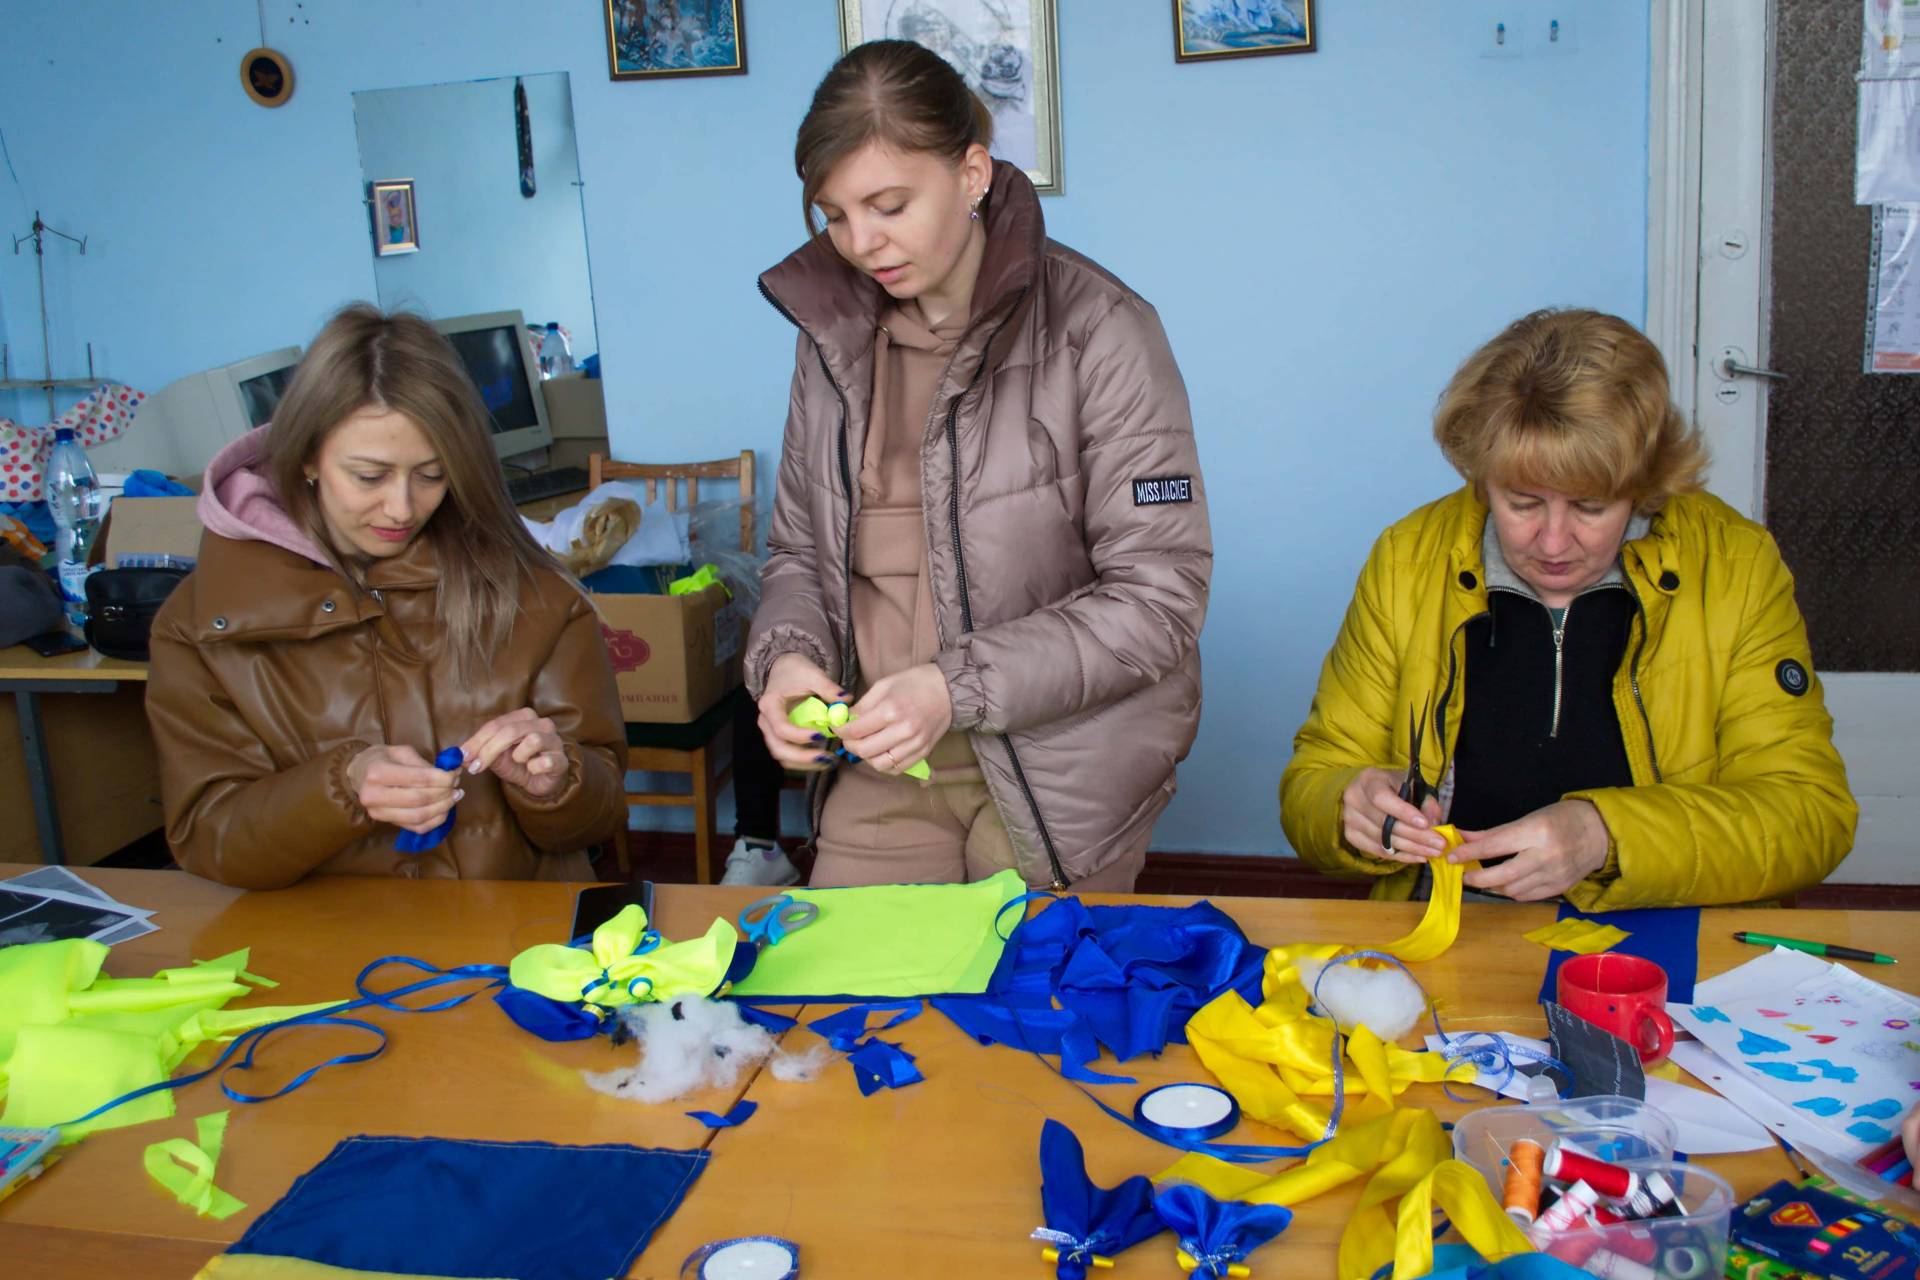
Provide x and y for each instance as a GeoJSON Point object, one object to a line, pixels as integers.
{"type": "Point", "coordinates": [742, 1111]}
{"type": "Point", "coordinates": [877, 1064]}
{"type": "Point", "coordinates": [247, 1044]}
{"type": "Point", "coordinates": [418, 841]}
{"type": "Point", "coordinates": [1217, 1233]}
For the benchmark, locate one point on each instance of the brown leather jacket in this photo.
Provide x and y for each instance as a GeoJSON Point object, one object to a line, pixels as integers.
{"type": "Point", "coordinates": [270, 674]}
{"type": "Point", "coordinates": [1066, 528]}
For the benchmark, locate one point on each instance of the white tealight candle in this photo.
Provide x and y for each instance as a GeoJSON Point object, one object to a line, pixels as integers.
{"type": "Point", "coordinates": [1186, 1106]}
{"type": "Point", "coordinates": [748, 1260]}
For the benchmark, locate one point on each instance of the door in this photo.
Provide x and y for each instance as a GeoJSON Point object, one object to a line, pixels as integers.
{"type": "Point", "coordinates": [1828, 457]}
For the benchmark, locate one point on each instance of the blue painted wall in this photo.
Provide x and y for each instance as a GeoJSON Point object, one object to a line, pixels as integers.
{"type": "Point", "coordinates": [486, 247]}
{"type": "Point", "coordinates": [1325, 235]}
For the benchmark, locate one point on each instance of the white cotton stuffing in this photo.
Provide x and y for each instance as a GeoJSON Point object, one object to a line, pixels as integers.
{"type": "Point", "coordinates": [687, 1045]}
{"type": "Point", "coordinates": [1386, 1001]}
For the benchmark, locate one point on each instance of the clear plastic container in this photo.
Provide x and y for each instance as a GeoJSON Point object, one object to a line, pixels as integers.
{"type": "Point", "coordinates": [1689, 1246]}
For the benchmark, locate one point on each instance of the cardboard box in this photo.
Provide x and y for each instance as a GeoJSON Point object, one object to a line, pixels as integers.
{"type": "Point", "coordinates": [576, 407]}
{"type": "Point", "coordinates": [673, 656]}
{"type": "Point", "coordinates": [148, 528]}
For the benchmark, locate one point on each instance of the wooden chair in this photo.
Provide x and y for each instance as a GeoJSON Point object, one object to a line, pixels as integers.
{"type": "Point", "coordinates": [684, 748]}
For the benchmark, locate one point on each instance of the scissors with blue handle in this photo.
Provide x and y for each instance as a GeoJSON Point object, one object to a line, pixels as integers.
{"type": "Point", "coordinates": [777, 916]}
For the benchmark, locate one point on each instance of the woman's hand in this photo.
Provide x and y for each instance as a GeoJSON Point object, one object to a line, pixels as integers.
{"type": "Point", "coordinates": [901, 717]}
{"type": "Point", "coordinates": [522, 748]}
{"type": "Point", "coordinates": [1553, 849]}
{"type": "Point", "coordinates": [397, 786]}
{"type": "Point", "coordinates": [1374, 796]}
{"type": "Point", "coordinates": [792, 679]}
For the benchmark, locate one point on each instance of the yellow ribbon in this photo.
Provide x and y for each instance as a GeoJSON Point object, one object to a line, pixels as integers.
{"type": "Point", "coordinates": [826, 719]}
{"type": "Point", "coordinates": [192, 1185]}
{"type": "Point", "coordinates": [699, 580]}
{"type": "Point", "coordinates": [1582, 937]}
{"type": "Point", "coordinates": [1441, 924]}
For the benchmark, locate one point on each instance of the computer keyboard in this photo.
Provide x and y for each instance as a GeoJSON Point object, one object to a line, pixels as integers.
{"type": "Point", "coordinates": [545, 484]}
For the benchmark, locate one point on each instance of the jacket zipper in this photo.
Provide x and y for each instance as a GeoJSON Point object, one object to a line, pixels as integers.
{"type": "Point", "coordinates": [1559, 664]}
{"type": "Point", "coordinates": [1060, 880]}
{"type": "Point", "coordinates": [849, 661]}
{"type": "Point", "coordinates": [1633, 680]}
{"type": "Point", "coordinates": [1440, 713]}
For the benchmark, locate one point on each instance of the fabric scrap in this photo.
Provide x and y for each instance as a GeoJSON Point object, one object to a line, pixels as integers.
{"type": "Point", "coordinates": [186, 1168]}
{"type": "Point", "coordinates": [1581, 937]}
{"type": "Point", "coordinates": [1668, 936]}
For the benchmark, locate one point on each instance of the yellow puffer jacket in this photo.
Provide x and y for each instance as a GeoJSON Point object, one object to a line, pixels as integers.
{"type": "Point", "coordinates": [1738, 792]}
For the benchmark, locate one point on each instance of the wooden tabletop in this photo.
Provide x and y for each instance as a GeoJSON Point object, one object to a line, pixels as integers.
{"type": "Point", "coordinates": [21, 663]}
{"type": "Point", "coordinates": [938, 1179]}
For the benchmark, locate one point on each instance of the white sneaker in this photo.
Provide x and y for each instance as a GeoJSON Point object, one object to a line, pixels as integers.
{"type": "Point", "coordinates": [755, 864]}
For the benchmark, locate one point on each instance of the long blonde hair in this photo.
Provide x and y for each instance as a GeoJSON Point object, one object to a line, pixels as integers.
{"type": "Point", "coordinates": [368, 358]}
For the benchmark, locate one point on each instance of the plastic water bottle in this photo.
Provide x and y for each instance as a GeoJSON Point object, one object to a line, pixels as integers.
{"type": "Point", "coordinates": [556, 356]}
{"type": "Point", "coordinates": [75, 500]}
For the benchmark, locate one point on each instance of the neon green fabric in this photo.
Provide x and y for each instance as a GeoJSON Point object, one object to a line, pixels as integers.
{"type": "Point", "coordinates": [890, 940]}
{"type": "Point", "coordinates": [186, 1168]}
{"type": "Point", "coordinates": [59, 1072]}
{"type": "Point", "coordinates": [827, 719]}
{"type": "Point", "coordinates": [707, 575]}
{"type": "Point", "coordinates": [36, 980]}
{"type": "Point", "coordinates": [611, 975]}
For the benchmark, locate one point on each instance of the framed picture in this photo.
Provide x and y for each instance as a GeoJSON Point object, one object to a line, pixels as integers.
{"type": "Point", "coordinates": [1005, 49]}
{"type": "Point", "coordinates": [1205, 30]}
{"type": "Point", "coordinates": [657, 39]}
{"type": "Point", "coordinates": [396, 223]}
{"type": "Point", "coordinates": [267, 76]}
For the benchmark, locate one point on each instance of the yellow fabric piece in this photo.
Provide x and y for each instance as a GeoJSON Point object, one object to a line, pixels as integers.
{"type": "Point", "coordinates": [694, 967]}
{"type": "Point", "coordinates": [265, 1266]}
{"type": "Point", "coordinates": [193, 1184]}
{"type": "Point", "coordinates": [1459, 1190]}
{"type": "Point", "coordinates": [1441, 923]}
{"type": "Point", "coordinates": [1582, 937]}
{"type": "Point", "coordinates": [828, 719]}
{"type": "Point", "coordinates": [1752, 799]}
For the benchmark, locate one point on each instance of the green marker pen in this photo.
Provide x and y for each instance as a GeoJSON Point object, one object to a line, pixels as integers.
{"type": "Point", "coordinates": [1827, 949]}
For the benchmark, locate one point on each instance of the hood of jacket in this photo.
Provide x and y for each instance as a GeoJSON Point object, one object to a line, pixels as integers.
{"type": "Point", "coordinates": [238, 501]}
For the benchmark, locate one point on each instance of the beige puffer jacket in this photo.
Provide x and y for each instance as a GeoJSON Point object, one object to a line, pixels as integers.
{"type": "Point", "coordinates": [1066, 527]}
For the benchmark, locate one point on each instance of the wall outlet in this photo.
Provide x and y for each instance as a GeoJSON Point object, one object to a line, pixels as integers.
{"type": "Point", "coordinates": [1501, 37]}
{"type": "Point", "coordinates": [1556, 34]}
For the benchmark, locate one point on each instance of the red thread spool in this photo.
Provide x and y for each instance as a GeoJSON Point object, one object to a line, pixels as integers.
{"type": "Point", "coordinates": [1575, 1247]}
{"type": "Point", "coordinates": [1520, 1196]}
{"type": "Point", "coordinates": [1570, 1208]}
{"type": "Point", "coordinates": [1610, 1180]}
{"type": "Point", "coordinates": [1640, 1246]}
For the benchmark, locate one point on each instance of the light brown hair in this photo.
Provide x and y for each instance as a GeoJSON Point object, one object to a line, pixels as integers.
{"type": "Point", "coordinates": [1574, 401]}
{"type": "Point", "coordinates": [367, 358]}
{"type": "Point", "coordinates": [894, 92]}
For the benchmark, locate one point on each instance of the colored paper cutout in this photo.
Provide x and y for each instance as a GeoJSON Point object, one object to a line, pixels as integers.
{"type": "Point", "coordinates": [1867, 1131]}
{"type": "Point", "coordinates": [1819, 1038]}
{"type": "Point", "coordinates": [1707, 1013]}
{"type": "Point", "coordinates": [1833, 1071]}
{"type": "Point", "coordinates": [1883, 1109]}
{"type": "Point", "coordinates": [1754, 1042]}
{"type": "Point", "coordinates": [1796, 1026]}
{"type": "Point", "coordinates": [1822, 1106]}
{"type": "Point", "coordinates": [1896, 1024]}
{"type": "Point", "coordinates": [1771, 1013]}
{"type": "Point", "coordinates": [1582, 937]}
{"type": "Point", "coordinates": [1782, 1071]}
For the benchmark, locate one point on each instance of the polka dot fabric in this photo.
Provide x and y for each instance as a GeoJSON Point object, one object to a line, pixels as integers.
{"type": "Point", "coordinates": [99, 418]}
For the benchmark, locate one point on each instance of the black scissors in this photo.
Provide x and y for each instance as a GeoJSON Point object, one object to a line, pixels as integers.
{"type": "Point", "coordinates": [1414, 789]}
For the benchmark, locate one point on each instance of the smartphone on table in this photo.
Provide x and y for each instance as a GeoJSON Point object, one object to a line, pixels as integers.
{"type": "Point", "coordinates": [600, 903]}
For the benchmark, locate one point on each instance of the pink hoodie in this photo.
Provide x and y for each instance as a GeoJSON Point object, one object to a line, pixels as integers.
{"type": "Point", "coordinates": [238, 502]}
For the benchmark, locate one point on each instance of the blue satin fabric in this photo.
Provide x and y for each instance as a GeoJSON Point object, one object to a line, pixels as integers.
{"type": "Point", "coordinates": [1100, 1220]}
{"type": "Point", "coordinates": [444, 1207]}
{"type": "Point", "coordinates": [1460, 1262]}
{"type": "Point", "coordinates": [877, 1064]}
{"type": "Point", "coordinates": [1127, 978]}
{"type": "Point", "coordinates": [1217, 1233]}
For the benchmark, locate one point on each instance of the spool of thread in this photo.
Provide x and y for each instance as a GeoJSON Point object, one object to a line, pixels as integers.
{"type": "Point", "coordinates": [1611, 1266]}
{"type": "Point", "coordinates": [1189, 1112]}
{"type": "Point", "coordinates": [1570, 1164]}
{"type": "Point", "coordinates": [744, 1258]}
{"type": "Point", "coordinates": [1685, 1262]}
{"type": "Point", "coordinates": [1520, 1196]}
{"type": "Point", "coordinates": [1635, 1243]}
{"type": "Point", "coordinates": [1576, 1246]}
{"type": "Point", "coordinates": [1569, 1209]}
{"type": "Point", "coordinates": [1653, 1198]}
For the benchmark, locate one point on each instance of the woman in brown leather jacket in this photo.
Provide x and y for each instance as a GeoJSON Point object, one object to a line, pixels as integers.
{"type": "Point", "coordinates": [366, 597]}
{"type": "Point", "coordinates": [990, 531]}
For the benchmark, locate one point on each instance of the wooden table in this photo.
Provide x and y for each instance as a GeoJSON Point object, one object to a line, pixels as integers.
{"type": "Point", "coordinates": [27, 675]}
{"type": "Point", "coordinates": [938, 1179]}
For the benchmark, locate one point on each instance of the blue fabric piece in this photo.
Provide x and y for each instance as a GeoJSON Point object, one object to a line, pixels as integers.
{"type": "Point", "coordinates": [445, 1207]}
{"type": "Point", "coordinates": [742, 1112]}
{"type": "Point", "coordinates": [548, 1019]}
{"type": "Point", "coordinates": [1127, 978]}
{"type": "Point", "coordinates": [1096, 1220]}
{"type": "Point", "coordinates": [421, 841]}
{"type": "Point", "coordinates": [1217, 1233]}
{"type": "Point", "coordinates": [765, 1018]}
{"type": "Point", "coordinates": [1460, 1262]}
{"type": "Point", "coordinates": [845, 1029]}
{"type": "Point", "coordinates": [624, 580]}
{"type": "Point", "coordinates": [1668, 936]}
{"type": "Point", "coordinates": [37, 516]}
{"type": "Point", "coordinates": [151, 484]}
{"type": "Point", "coordinates": [882, 1064]}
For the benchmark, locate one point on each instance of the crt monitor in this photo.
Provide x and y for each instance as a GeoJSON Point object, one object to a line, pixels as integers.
{"type": "Point", "coordinates": [181, 426]}
{"type": "Point", "coordinates": [498, 352]}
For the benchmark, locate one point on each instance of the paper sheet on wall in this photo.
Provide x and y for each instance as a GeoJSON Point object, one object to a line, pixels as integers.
{"type": "Point", "coordinates": [1838, 1048]}
{"type": "Point", "coordinates": [1886, 28]}
{"type": "Point", "coordinates": [1893, 298]}
{"type": "Point", "coordinates": [1887, 153]}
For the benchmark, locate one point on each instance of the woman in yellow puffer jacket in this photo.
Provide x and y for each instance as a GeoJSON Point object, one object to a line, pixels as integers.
{"type": "Point", "coordinates": [1616, 692]}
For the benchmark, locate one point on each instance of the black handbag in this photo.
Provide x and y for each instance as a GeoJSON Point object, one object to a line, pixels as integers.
{"type": "Point", "coordinates": [121, 604]}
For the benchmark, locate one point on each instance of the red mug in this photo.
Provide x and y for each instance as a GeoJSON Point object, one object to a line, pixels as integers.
{"type": "Point", "coordinates": [1626, 995]}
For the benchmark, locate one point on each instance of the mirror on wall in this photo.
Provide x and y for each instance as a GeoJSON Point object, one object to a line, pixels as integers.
{"type": "Point", "coordinates": [474, 201]}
